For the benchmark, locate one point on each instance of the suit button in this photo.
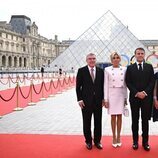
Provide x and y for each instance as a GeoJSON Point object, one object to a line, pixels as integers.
{"type": "Point", "coordinates": [121, 79]}
{"type": "Point", "coordinates": [113, 80]}
{"type": "Point", "coordinates": [113, 86]}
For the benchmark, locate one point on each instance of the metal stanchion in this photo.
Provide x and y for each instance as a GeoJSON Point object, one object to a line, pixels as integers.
{"type": "Point", "coordinates": [24, 77]}
{"type": "Point", "coordinates": [9, 81]}
{"type": "Point", "coordinates": [69, 83]}
{"type": "Point", "coordinates": [17, 99]}
{"type": "Point", "coordinates": [51, 95]}
{"type": "Point", "coordinates": [31, 103]}
{"type": "Point", "coordinates": [42, 99]}
{"type": "Point", "coordinates": [59, 84]}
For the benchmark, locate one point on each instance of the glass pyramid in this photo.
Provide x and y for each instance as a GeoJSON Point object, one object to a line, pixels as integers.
{"type": "Point", "coordinates": [105, 36]}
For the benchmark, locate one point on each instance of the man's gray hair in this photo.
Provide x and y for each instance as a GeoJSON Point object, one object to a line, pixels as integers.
{"type": "Point", "coordinates": [90, 54]}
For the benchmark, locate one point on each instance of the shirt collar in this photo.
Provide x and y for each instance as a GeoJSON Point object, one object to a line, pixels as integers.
{"type": "Point", "coordinates": [142, 64]}
{"type": "Point", "coordinates": [94, 68]}
{"type": "Point", "coordinates": [139, 63]}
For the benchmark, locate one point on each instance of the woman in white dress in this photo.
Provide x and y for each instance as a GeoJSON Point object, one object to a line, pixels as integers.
{"type": "Point", "coordinates": [115, 95]}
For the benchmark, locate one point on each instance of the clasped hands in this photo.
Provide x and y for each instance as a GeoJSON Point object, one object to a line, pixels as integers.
{"type": "Point", "coordinates": [140, 95]}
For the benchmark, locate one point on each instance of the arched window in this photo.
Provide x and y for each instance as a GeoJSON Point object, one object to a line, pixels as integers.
{"type": "Point", "coordinates": [25, 62]}
{"type": "Point", "coordinates": [15, 61]}
{"type": "Point", "coordinates": [3, 60]}
{"type": "Point", "coordinates": [9, 61]}
{"type": "Point", "coordinates": [20, 62]}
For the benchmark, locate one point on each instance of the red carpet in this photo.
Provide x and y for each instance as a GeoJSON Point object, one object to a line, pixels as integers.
{"type": "Point", "coordinates": [8, 106]}
{"type": "Point", "coordinates": [64, 146]}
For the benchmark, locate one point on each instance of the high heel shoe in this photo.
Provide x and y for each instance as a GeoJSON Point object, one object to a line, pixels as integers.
{"type": "Point", "coordinates": [119, 142]}
{"type": "Point", "coordinates": [114, 145]}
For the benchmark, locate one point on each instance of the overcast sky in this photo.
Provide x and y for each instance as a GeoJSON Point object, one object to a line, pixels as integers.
{"type": "Point", "coordinates": [70, 18]}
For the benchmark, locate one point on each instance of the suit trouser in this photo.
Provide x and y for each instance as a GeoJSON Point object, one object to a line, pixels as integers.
{"type": "Point", "coordinates": [87, 116]}
{"type": "Point", "coordinates": [145, 110]}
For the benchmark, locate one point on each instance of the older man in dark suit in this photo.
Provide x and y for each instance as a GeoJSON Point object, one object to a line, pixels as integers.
{"type": "Point", "coordinates": [140, 81]}
{"type": "Point", "coordinates": [89, 89]}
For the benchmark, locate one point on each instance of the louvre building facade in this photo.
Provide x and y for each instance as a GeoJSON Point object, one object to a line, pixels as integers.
{"type": "Point", "coordinates": [21, 46]}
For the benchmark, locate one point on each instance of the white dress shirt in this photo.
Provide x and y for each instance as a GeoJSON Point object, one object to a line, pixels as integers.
{"type": "Point", "coordinates": [94, 70]}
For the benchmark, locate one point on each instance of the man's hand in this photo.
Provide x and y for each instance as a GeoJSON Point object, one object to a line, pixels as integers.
{"type": "Point", "coordinates": [140, 95]}
{"type": "Point", "coordinates": [156, 104]}
{"type": "Point", "coordinates": [81, 104]}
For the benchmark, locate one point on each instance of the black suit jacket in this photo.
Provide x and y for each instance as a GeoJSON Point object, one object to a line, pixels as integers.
{"type": "Point", "coordinates": [86, 89]}
{"type": "Point", "coordinates": [156, 79]}
{"type": "Point", "coordinates": [143, 81]}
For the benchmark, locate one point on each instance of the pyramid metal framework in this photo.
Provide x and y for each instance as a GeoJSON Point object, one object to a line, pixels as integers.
{"type": "Point", "coordinates": [105, 36]}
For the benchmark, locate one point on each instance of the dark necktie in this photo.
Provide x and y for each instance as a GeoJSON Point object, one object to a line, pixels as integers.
{"type": "Point", "coordinates": [92, 74]}
{"type": "Point", "coordinates": [140, 67]}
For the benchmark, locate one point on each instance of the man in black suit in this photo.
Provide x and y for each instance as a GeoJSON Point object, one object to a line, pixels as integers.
{"type": "Point", "coordinates": [89, 89]}
{"type": "Point", "coordinates": [140, 82]}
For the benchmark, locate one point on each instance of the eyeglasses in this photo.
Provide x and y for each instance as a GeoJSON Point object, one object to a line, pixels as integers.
{"type": "Point", "coordinates": [116, 58]}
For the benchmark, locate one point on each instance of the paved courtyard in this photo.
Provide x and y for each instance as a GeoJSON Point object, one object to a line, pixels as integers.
{"type": "Point", "coordinates": [58, 115]}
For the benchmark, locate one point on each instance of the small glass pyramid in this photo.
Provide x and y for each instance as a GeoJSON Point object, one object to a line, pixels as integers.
{"type": "Point", "coordinates": [105, 36]}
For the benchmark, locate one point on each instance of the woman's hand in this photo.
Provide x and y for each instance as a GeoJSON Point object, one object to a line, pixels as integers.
{"type": "Point", "coordinates": [106, 104]}
{"type": "Point", "coordinates": [125, 102]}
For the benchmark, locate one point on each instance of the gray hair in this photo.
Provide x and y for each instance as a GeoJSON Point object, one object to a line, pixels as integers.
{"type": "Point", "coordinates": [90, 54]}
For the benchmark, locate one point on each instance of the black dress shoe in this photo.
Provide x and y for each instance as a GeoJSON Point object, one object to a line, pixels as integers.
{"type": "Point", "coordinates": [89, 146]}
{"type": "Point", "coordinates": [135, 146]}
{"type": "Point", "coordinates": [146, 147]}
{"type": "Point", "coordinates": [99, 145]}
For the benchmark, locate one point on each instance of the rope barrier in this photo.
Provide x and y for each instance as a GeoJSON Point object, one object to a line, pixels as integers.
{"type": "Point", "coordinates": [7, 100]}
{"type": "Point", "coordinates": [39, 90]}
{"type": "Point", "coordinates": [56, 85]}
{"type": "Point", "coordinates": [23, 94]}
{"type": "Point", "coordinates": [52, 86]}
{"type": "Point", "coordinates": [47, 90]}
{"type": "Point", "coordinates": [4, 83]}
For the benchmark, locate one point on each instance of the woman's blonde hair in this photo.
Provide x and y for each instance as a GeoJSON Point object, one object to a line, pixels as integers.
{"type": "Point", "coordinates": [113, 54]}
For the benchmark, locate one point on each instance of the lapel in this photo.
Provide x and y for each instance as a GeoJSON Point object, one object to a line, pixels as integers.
{"type": "Point", "coordinates": [96, 75]}
{"type": "Point", "coordinates": [135, 66]}
{"type": "Point", "coordinates": [144, 66]}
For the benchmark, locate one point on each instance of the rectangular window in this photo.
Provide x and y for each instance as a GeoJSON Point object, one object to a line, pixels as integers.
{"type": "Point", "coordinates": [17, 48]}
{"type": "Point", "coordinates": [24, 49]}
